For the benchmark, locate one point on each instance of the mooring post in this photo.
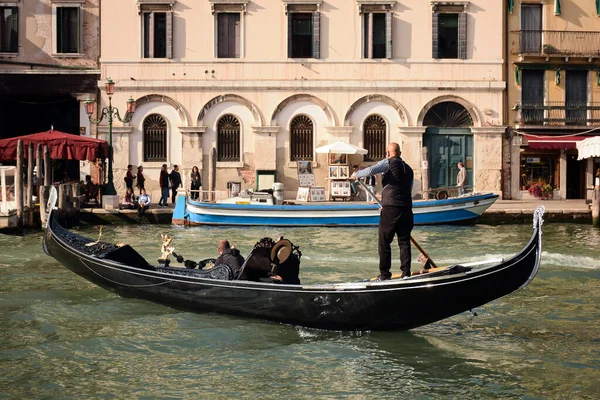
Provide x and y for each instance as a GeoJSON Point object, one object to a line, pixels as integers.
{"type": "Point", "coordinates": [596, 207]}
{"type": "Point", "coordinates": [39, 167]}
{"type": "Point", "coordinates": [29, 200]}
{"type": "Point", "coordinates": [19, 184]}
{"type": "Point", "coordinates": [47, 167]}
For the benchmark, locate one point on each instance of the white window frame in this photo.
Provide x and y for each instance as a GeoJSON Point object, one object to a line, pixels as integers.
{"type": "Point", "coordinates": [380, 7]}
{"type": "Point", "coordinates": [56, 4]}
{"type": "Point", "coordinates": [159, 6]}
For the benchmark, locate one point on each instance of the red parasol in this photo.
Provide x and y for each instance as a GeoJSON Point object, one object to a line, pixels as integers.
{"type": "Point", "coordinates": [62, 146]}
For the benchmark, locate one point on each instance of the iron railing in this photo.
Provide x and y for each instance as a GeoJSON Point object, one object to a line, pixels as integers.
{"type": "Point", "coordinates": [558, 113]}
{"type": "Point", "coordinates": [559, 43]}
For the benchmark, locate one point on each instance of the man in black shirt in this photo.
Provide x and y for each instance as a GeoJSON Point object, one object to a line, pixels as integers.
{"type": "Point", "coordinates": [229, 256]}
{"type": "Point", "coordinates": [175, 178]}
{"type": "Point", "coordinates": [396, 214]}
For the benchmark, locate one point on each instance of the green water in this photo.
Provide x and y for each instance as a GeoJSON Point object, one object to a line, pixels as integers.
{"type": "Point", "coordinates": [62, 337]}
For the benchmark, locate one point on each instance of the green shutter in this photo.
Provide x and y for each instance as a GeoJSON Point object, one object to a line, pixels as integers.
{"type": "Point", "coordinates": [598, 7]}
{"type": "Point", "coordinates": [435, 35]}
{"type": "Point", "coordinates": [316, 34]}
{"type": "Point", "coordinates": [462, 36]}
{"type": "Point", "coordinates": [511, 5]}
{"type": "Point", "coordinates": [290, 31]}
{"type": "Point", "coordinates": [388, 35]}
{"type": "Point", "coordinates": [556, 7]}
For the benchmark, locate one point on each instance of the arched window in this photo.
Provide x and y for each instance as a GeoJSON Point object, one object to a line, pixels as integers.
{"type": "Point", "coordinates": [447, 114]}
{"type": "Point", "coordinates": [374, 130]}
{"type": "Point", "coordinates": [301, 138]}
{"type": "Point", "coordinates": [155, 138]}
{"type": "Point", "coordinates": [228, 138]}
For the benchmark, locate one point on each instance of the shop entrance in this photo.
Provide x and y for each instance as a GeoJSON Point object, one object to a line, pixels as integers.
{"type": "Point", "coordinates": [575, 177]}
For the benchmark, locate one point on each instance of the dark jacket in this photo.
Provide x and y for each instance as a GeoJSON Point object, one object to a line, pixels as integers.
{"type": "Point", "coordinates": [370, 180]}
{"type": "Point", "coordinates": [175, 179]}
{"type": "Point", "coordinates": [196, 179]}
{"type": "Point", "coordinates": [397, 184]}
{"type": "Point", "coordinates": [233, 258]}
{"type": "Point", "coordinates": [164, 179]}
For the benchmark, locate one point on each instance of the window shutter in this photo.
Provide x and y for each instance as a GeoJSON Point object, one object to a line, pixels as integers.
{"type": "Point", "coordinates": [78, 38]}
{"type": "Point", "coordinates": [435, 35]}
{"type": "Point", "coordinates": [316, 35]}
{"type": "Point", "coordinates": [169, 35]}
{"type": "Point", "coordinates": [290, 31]}
{"type": "Point", "coordinates": [236, 35]}
{"type": "Point", "coordinates": [462, 36]}
{"type": "Point", "coordinates": [388, 35]}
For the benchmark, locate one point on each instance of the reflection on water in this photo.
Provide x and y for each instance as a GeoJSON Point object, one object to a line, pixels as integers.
{"type": "Point", "coordinates": [62, 337]}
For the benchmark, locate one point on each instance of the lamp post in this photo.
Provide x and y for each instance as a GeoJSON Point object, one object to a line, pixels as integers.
{"type": "Point", "coordinates": [110, 112]}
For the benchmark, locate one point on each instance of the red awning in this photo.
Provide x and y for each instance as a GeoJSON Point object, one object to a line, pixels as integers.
{"type": "Point", "coordinates": [553, 142]}
{"type": "Point", "coordinates": [62, 146]}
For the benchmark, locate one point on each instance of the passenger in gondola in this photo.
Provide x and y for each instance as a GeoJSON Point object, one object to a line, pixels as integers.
{"type": "Point", "coordinates": [230, 256]}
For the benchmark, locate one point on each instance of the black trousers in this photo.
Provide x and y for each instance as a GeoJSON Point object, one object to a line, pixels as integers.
{"type": "Point", "coordinates": [395, 221]}
{"type": "Point", "coordinates": [174, 194]}
{"type": "Point", "coordinates": [141, 210]}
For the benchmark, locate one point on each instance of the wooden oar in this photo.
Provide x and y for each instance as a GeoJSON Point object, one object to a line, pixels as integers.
{"type": "Point", "coordinates": [412, 240]}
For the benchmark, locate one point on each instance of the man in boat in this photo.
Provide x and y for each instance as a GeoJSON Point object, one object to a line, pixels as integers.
{"type": "Point", "coordinates": [229, 256]}
{"type": "Point", "coordinates": [396, 213]}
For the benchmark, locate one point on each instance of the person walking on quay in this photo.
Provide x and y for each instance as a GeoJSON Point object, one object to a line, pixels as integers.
{"type": "Point", "coordinates": [129, 178]}
{"type": "Point", "coordinates": [143, 203]}
{"type": "Point", "coordinates": [461, 178]}
{"type": "Point", "coordinates": [396, 213]}
{"type": "Point", "coordinates": [196, 183]}
{"type": "Point", "coordinates": [140, 179]}
{"type": "Point", "coordinates": [164, 186]}
{"type": "Point", "coordinates": [175, 178]}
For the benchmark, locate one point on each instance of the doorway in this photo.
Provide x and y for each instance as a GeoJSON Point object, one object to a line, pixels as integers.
{"type": "Point", "coordinates": [446, 147]}
{"type": "Point", "coordinates": [575, 177]}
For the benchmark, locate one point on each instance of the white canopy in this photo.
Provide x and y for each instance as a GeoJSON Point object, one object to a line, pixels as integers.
{"type": "Point", "coordinates": [341, 147]}
{"type": "Point", "coordinates": [589, 147]}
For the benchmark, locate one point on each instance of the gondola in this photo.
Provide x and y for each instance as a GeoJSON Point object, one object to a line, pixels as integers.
{"type": "Point", "coordinates": [396, 304]}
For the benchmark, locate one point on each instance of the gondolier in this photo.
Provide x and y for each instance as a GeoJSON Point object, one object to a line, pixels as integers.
{"type": "Point", "coordinates": [396, 215]}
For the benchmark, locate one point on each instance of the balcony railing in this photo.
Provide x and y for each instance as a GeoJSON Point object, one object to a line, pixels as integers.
{"type": "Point", "coordinates": [558, 113]}
{"type": "Point", "coordinates": [559, 43]}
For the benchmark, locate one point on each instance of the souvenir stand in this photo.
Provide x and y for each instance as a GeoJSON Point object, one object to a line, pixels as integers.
{"type": "Point", "coordinates": [339, 168]}
{"type": "Point", "coordinates": [307, 191]}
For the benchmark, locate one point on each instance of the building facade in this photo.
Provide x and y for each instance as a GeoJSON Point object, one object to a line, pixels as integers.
{"type": "Point", "coordinates": [553, 95]}
{"type": "Point", "coordinates": [49, 52]}
{"type": "Point", "coordinates": [246, 89]}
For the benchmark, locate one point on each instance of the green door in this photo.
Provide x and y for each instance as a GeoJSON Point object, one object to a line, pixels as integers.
{"type": "Point", "coordinates": [445, 148]}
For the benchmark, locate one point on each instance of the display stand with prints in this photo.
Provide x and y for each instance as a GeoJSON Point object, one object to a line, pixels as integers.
{"type": "Point", "coordinates": [306, 179]}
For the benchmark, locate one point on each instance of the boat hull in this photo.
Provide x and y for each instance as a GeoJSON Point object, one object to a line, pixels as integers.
{"type": "Point", "coordinates": [390, 305]}
{"type": "Point", "coordinates": [428, 212]}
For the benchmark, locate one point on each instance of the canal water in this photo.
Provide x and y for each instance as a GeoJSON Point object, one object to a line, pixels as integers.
{"type": "Point", "coordinates": [62, 337]}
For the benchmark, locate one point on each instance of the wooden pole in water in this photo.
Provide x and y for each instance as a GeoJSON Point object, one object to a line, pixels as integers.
{"type": "Point", "coordinates": [596, 207]}
{"type": "Point", "coordinates": [19, 184]}
{"type": "Point", "coordinates": [47, 167]}
{"type": "Point", "coordinates": [39, 167]}
{"type": "Point", "coordinates": [424, 173]}
{"type": "Point", "coordinates": [30, 176]}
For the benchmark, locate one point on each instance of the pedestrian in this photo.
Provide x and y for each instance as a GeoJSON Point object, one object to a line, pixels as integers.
{"type": "Point", "coordinates": [396, 214]}
{"type": "Point", "coordinates": [461, 178]}
{"type": "Point", "coordinates": [371, 182]}
{"type": "Point", "coordinates": [354, 184]}
{"type": "Point", "coordinates": [175, 178]}
{"type": "Point", "coordinates": [143, 203]}
{"type": "Point", "coordinates": [196, 183]}
{"type": "Point", "coordinates": [129, 178]}
{"type": "Point", "coordinates": [140, 179]}
{"type": "Point", "coordinates": [164, 186]}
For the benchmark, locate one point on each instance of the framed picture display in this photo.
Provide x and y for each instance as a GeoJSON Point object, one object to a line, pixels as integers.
{"type": "Point", "coordinates": [343, 172]}
{"type": "Point", "coordinates": [333, 171]}
{"type": "Point", "coordinates": [304, 167]}
{"type": "Point", "coordinates": [338, 159]}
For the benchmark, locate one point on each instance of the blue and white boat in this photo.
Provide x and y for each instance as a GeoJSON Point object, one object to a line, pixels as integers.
{"type": "Point", "coordinates": [261, 209]}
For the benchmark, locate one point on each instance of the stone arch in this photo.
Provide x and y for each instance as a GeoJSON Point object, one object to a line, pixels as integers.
{"type": "Point", "coordinates": [453, 99]}
{"type": "Point", "coordinates": [379, 98]}
{"type": "Point", "coordinates": [258, 117]}
{"type": "Point", "coordinates": [304, 97]}
{"type": "Point", "coordinates": [159, 98]}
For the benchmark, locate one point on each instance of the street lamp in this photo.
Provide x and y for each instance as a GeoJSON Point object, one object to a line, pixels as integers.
{"type": "Point", "coordinates": [110, 112]}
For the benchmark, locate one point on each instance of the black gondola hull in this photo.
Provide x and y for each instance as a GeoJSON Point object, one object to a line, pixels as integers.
{"type": "Point", "coordinates": [396, 304]}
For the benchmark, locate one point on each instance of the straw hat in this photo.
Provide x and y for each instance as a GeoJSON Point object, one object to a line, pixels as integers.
{"type": "Point", "coordinates": [281, 251]}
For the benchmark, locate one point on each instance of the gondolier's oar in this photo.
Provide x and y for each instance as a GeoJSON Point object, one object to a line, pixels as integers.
{"type": "Point", "coordinates": [412, 240]}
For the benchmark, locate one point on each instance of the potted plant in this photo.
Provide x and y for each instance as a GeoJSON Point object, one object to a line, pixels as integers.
{"type": "Point", "coordinates": [541, 190]}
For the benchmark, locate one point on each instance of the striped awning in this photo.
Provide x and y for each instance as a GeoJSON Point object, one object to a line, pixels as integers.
{"type": "Point", "coordinates": [588, 148]}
